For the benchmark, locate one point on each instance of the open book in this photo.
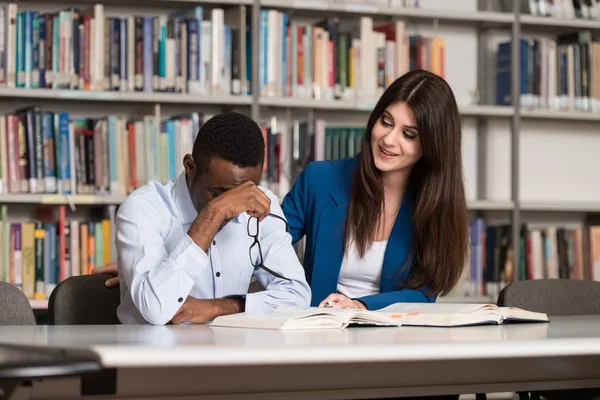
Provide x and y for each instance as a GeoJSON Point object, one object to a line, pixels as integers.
{"type": "Point", "coordinates": [399, 314]}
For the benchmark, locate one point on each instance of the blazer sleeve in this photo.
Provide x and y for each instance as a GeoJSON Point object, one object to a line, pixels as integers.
{"type": "Point", "coordinates": [378, 301]}
{"type": "Point", "coordinates": [294, 205]}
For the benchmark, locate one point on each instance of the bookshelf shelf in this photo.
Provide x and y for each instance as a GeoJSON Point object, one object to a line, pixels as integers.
{"type": "Point", "coordinates": [123, 97]}
{"type": "Point", "coordinates": [78, 199]}
{"type": "Point", "coordinates": [530, 20]}
{"type": "Point", "coordinates": [560, 115]}
{"type": "Point", "coordinates": [490, 205]}
{"type": "Point", "coordinates": [567, 206]}
{"type": "Point", "coordinates": [373, 9]}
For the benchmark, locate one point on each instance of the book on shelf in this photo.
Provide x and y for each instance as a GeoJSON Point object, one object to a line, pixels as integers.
{"type": "Point", "coordinates": [563, 9]}
{"type": "Point", "coordinates": [187, 51]}
{"type": "Point", "coordinates": [550, 252]}
{"type": "Point", "coordinates": [40, 252]}
{"type": "Point", "coordinates": [555, 74]}
{"type": "Point", "coordinates": [398, 315]}
{"type": "Point", "coordinates": [325, 61]}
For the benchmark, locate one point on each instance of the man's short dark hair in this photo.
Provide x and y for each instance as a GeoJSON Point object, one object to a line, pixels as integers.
{"type": "Point", "coordinates": [231, 136]}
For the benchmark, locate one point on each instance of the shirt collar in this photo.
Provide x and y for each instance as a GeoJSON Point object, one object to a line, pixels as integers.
{"type": "Point", "coordinates": [183, 200]}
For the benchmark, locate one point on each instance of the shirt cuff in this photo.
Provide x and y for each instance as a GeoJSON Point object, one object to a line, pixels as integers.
{"type": "Point", "coordinates": [191, 257]}
{"type": "Point", "coordinates": [255, 303]}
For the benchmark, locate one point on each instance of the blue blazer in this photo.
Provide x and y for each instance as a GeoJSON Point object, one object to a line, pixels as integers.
{"type": "Point", "coordinates": [316, 207]}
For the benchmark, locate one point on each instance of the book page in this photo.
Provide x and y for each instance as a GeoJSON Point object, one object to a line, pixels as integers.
{"type": "Point", "coordinates": [437, 308]}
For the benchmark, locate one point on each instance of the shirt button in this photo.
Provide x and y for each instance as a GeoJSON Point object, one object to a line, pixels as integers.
{"type": "Point", "coordinates": [218, 274]}
{"type": "Point", "coordinates": [214, 242]}
{"type": "Point", "coordinates": [180, 299]}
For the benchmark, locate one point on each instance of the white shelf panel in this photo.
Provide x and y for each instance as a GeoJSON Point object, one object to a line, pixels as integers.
{"type": "Point", "coordinates": [489, 205]}
{"type": "Point", "coordinates": [39, 304]}
{"type": "Point", "coordinates": [560, 115]}
{"type": "Point", "coordinates": [372, 9]}
{"type": "Point", "coordinates": [125, 97]}
{"type": "Point", "coordinates": [486, 111]}
{"type": "Point", "coordinates": [77, 199]}
{"type": "Point", "coordinates": [566, 206]}
{"type": "Point", "coordinates": [560, 23]}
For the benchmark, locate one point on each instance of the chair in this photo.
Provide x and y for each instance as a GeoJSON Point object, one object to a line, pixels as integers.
{"type": "Point", "coordinates": [555, 297]}
{"type": "Point", "coordinates": [14, 306]}
{"type": "Point", "coordinates": [84, 300]}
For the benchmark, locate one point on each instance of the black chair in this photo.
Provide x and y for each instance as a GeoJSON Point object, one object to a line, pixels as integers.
{"type": "Point", "coordinates": [84, 300]}
{"type": "Point", "coordinates": [555, 297]}
{"type": "Point", "coordinates": [14, 306]}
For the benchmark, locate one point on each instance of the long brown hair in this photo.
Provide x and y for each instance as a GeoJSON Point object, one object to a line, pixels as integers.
{"type": "Point", "coordinates": [440, 241]}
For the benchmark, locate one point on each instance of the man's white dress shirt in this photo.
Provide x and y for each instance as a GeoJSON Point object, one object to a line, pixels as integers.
{"type": "Point", "coordinates": [160, 265]}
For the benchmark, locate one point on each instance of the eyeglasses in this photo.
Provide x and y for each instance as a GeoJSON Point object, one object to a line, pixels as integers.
{"type": "Point", "coordinates": [253, 232]}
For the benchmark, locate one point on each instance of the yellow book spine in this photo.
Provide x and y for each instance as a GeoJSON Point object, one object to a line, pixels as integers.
{"type": "Point", "coordinates": [28, 258]}
{"type": "Point", "coordinates": [105, 242]}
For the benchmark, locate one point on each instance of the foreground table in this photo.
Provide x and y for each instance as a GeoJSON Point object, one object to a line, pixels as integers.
{"type": "Point", "coordinates": [355, 363]}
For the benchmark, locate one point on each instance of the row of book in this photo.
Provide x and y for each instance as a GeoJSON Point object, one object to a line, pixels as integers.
{"type": "Point", "coordinates": [324, 61]}
{"type": "Point", "coordinates": [37, 254]}
{"type": "Point", "coordinates": [565, 9]}
{"type": "Point", "coordinates": [556, 74]}
{"type": "Point", "coordinates": [551, 252]}
{"type": "Point", "coordinates": [87, 50]}
{"type": "Point", "coordinates": [48, 152]}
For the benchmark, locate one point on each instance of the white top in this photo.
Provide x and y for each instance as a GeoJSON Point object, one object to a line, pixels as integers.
{"type": "Point", "coordinates": [202, 345]}
{"type": "Point", "coordinates": [159, 264]}
{"type": "Point", "coordinates": [360, 276]}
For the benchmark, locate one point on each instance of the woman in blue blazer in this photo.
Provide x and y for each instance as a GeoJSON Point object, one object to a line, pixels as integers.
{"type": "Point", "coordinates": [389, 225]}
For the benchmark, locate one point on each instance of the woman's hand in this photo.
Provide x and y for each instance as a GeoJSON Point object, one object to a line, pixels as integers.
{"type": "Point", "coordinates": [340, 301]}
{"type": "Point", "coordinates": [110, 268]}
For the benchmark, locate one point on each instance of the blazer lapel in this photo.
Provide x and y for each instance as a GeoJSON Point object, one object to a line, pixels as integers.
{"type": "Point", "coordinates": [398, 247]}
{"type": "Point", "coordinates": [329, 245]}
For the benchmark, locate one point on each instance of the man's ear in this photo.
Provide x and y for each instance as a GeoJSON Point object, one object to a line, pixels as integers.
{"type": "Point", "coordinates": [189, 164]}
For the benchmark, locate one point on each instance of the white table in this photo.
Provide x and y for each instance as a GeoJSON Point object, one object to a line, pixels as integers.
{"type": "Point", "coordinates": [202, 362]}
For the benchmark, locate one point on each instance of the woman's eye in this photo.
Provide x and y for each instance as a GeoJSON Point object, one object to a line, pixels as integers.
{"type": "Point", "coordinates": [408, 135]}
{"type": "Point", "coordinates": [385, 123]}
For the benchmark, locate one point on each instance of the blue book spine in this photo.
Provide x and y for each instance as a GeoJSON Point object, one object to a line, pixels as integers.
{"type": "Point", "coordinates": [503, 73]}
{"type": "Point", "coordinates": [56, 51]}
{"type": "Point", "coordinates": [226, 70]}
{"type": "Point", "coordinates": [148, 62]}
{"type": "Point", "coordinates": [112, 153]}
{"type": "Point", "coordinates": [193, 35]}
{"type": "Point", "coordinates": [35, 50]}
{"type": "Point", "coordinates": [162, 41]}
{"type": "Point", "coordinates": [179, 78]}
{"type": "Point", "coordinates": [172, 149]}
{"type": "Point", "coordinates": [264, 33]}
{"type": "Point", "coordinates": [284, 59]}
{"type": "Point", "coordinates": [28, 48]}
{"type": "Point", "coordinates": [42, 52]}
{"type": "Point", "coordinates": [249, 61]}
{"type": "Point", "coordinates": [123, 56]}
{"type": "Point", "coordinates": [65, 160]}
{"type": "Point", "coordinates": [49, 166]}
{"type": "Point", "coordinates": [20, 50]}
{"type": "Point", "coordinates": [201, 71]}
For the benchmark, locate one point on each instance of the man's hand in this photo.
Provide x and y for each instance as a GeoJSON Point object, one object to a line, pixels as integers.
{"type": "Point", "coordinates": [246, 197]}
{"type": "Point", "coordinates": [200, 311]}
{"type": "Point", "coordinates": [341, 301]}
{"type": "Point", "coordinates": [110, 268]}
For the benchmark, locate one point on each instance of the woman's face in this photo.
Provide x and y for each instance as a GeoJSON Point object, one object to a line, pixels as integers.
{"type": "Point", "coordinates": [395, 139]}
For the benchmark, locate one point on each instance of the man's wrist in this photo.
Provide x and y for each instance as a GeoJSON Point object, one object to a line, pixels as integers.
{"type": "Point", "coordinates": [226, 306]}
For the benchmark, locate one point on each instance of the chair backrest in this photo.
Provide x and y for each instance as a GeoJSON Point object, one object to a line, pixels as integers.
{"type": "Point", "coordinates": [553, 296]}
{"type": "Point", "coordinates": [14, 306]}
{"type": "Point", "coordinates": [84, 300]}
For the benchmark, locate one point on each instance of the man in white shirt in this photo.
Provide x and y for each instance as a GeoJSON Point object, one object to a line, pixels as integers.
{"type": "Point", "coordinates": [188, 249]}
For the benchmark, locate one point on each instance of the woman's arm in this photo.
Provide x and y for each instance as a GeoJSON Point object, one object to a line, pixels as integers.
{"type": "Point", "coordinates": [294, 205]}
{"type": "Point", "coordinates": [377, 301]}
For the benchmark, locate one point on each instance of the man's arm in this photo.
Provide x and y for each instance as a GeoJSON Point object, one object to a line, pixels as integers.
{"type": "Point", "coordinates": [280, 257]}
{"type": "Point", "coordinates": [158, 281]}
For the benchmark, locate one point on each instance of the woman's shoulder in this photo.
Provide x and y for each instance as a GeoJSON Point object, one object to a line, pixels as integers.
{"type": "Point", "coordinates": [329, 172]}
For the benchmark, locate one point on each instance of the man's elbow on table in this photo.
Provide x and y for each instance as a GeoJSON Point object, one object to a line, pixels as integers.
{"type": "Point", "coordinates": [154, 309]}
